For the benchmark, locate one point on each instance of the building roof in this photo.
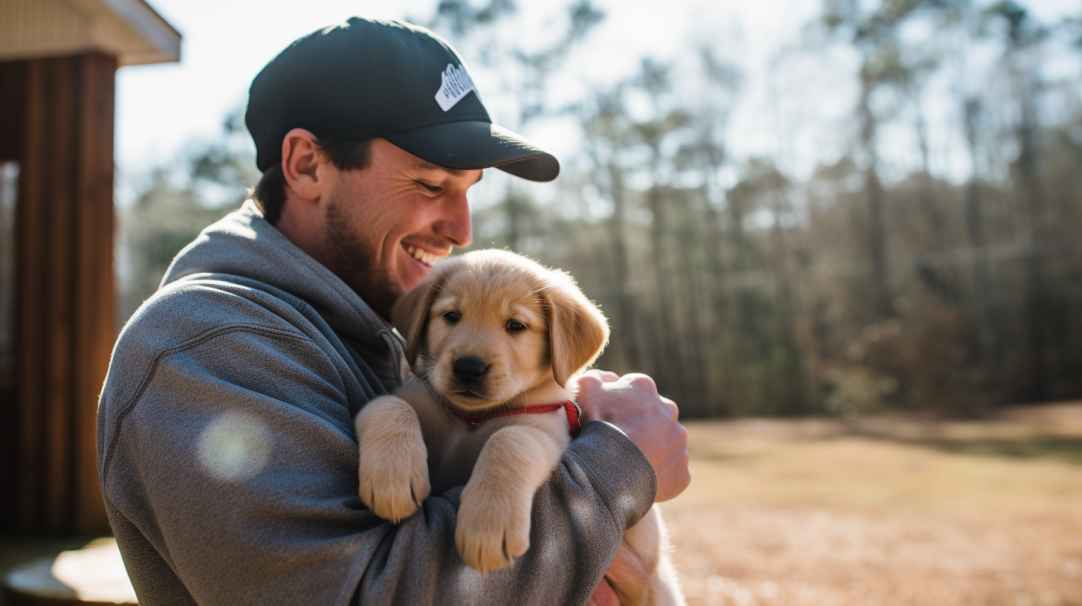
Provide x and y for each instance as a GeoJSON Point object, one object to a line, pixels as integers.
{"type": "Point", "coordinates": [130, 30]}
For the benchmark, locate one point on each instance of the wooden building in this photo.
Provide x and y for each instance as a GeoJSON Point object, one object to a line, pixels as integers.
{"type": "Point", "coordinates": [58, 60]}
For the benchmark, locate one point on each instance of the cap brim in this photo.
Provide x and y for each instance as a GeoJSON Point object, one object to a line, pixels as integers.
{"type": "Point", "coordinates": [472, 145]}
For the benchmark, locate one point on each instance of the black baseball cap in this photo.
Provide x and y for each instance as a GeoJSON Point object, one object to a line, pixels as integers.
{"type": "Point", "coordinates": [374, 78]}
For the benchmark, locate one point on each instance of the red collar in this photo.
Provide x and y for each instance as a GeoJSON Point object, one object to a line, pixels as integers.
{"type": "Point", "coordinates": [571, 408]}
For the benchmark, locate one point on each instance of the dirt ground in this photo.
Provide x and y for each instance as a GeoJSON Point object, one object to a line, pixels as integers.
{"type": "Point", "coordinates": [876, 512]}
{"type": "Point", "coordinates": [884, 511]}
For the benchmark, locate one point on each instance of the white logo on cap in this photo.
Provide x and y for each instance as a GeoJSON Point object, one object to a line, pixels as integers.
{"type": "Point", "coordinates": [456, 84]}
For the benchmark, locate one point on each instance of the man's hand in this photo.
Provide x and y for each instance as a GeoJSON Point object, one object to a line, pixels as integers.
{"type": "Point", "coordinates": [627, 572]}
{"type": "Point", "coordinates": [604, 595]}
{"type": "Point", "coordinates": [632, 404]}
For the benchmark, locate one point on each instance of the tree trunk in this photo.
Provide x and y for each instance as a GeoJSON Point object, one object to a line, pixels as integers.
{"type": "Point", "coordinates": [625, 299]}
{"type": "Point", "coordinates": [669, 361]}
{"type": "Point", "coordinates": [984, 295]}
{"type": "Point", "coordinates": [790, 402]}
{"type": "Point", "coordinates": [882, 307]}
{"type": "Point", "coordinates": [1033, 204]}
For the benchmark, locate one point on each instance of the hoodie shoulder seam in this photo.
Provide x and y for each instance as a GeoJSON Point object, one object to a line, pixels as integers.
{"type": "Point", "coordinates": [190, 343]}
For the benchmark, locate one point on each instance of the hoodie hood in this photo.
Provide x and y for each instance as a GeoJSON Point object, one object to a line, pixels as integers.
{"type": "Point", "coordinates": [244, 244]}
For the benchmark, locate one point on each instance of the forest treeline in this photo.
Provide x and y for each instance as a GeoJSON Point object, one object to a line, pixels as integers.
{"type": "Point", "coordinates": [862, 286]}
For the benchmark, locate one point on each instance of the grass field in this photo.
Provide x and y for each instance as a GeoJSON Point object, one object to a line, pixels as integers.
{"type": "Point", "coordinates": [884, 511]}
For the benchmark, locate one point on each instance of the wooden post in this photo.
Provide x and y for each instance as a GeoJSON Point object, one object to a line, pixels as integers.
{"type": "Point", "coordinates": [64, 310]}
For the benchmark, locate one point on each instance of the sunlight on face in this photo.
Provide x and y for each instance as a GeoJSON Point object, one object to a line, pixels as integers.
{"type": "Point", "coordinates": [387, 225]}
{"type": "Point", "coordinates": [234, 447]}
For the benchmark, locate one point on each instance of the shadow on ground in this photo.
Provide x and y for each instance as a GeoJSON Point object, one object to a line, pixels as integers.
{"type": "Point", "coordinates": [1060, 448]}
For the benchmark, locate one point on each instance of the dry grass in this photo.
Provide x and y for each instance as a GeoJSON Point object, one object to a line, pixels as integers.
{"type": "Point", "coordinates": [886, 511]}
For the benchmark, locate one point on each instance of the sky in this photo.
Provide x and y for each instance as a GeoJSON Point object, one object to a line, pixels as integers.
{"type": "Point", "coordinates": [163, 110]}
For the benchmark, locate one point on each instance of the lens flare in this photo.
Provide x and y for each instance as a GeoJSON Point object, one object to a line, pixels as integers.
{"type": "Point", "coordinates": [234, 447]}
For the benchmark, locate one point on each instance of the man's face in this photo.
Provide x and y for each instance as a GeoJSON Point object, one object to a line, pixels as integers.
{"type": "Point", "coordinates": [379, 220]}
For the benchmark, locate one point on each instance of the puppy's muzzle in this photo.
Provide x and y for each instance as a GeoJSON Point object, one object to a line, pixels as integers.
{"type": "Point", "coordinates": [469, 369]}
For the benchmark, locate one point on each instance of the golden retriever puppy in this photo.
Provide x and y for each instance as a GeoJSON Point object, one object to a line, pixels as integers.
{"type": "Point", "coordinates": [493, 339]}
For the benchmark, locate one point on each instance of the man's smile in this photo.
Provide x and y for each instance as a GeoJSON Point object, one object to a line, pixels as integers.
{"type": "Point", "coordinates": [423, 256]}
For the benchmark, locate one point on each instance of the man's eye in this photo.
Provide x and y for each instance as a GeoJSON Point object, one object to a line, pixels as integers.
{"type": "Point", "coordinates": [515, 326]}
{"type": "Point", "coordinates": [435, 189]}
{"type": "Point", "coordinates": [452, 316]}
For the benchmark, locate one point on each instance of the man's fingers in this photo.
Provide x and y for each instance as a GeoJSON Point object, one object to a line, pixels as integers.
{"type": "Point", "coordinates": [675, 477]}
{"type": "Point", "coordinates": [627, 568]}
{"type": "Point", "coordinates": [671, 409]}
{"type": "Point", "coordinates": [588, 381]}
{"type": "Point", "coordinates": [589, 388]}
{"type": "Point", "coordinates": [604, 595]}
{"type": "Point", "coordinates": [641, 381]}
{"type": "Point", "coordinates": [632, 403]}
{"type": "Point", "coordinates": [684, 471]}
{"type": "Point", "coordinates": [608, 376]}
{"type": "Point", "coordinates": [604, 376]}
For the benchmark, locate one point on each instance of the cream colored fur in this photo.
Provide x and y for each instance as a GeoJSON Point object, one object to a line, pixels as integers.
{"type": "Point", "coordinates": [535, 329]}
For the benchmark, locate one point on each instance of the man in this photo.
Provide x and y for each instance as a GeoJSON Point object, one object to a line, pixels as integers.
{"type": "Point", "coordinates": [226, 448]}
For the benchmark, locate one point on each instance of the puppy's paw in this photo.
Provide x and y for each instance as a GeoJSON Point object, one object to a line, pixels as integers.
{"type": "Point", "coordinates": [491, 532]}
{"type": "Point", "coordinates": [395, 489]}
{"type": "Point", "coordinates": [393, 468]}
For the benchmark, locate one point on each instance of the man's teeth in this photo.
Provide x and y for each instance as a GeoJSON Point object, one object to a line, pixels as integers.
{"type": "Point", "coordinates": [423, 256]}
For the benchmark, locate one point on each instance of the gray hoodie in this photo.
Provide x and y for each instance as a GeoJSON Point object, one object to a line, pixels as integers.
{"type": "Point", "coordinates": [228, 459]}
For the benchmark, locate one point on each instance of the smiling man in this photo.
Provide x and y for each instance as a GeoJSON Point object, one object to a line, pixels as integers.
{"type": "Point", "coordinates": [381, 227]}
{"type": "Point", "coordinates": [227, 452]}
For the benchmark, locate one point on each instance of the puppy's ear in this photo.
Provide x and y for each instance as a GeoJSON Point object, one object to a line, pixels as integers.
{"type": "Point", "coordinates": [578, 331]}
{"type": "Point", "coordinates": [410, 314]}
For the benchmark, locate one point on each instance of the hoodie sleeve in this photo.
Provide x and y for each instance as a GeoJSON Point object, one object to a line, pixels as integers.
{"type": "Point", "coordinates": [230, 476]}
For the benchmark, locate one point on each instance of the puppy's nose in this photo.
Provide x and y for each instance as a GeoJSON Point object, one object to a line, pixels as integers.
{"type": "Point", "coordinates": [469, 369]}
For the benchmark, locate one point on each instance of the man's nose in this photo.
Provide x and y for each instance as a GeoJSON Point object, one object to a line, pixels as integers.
{"type": "Point", "coordinates": [454, 223]}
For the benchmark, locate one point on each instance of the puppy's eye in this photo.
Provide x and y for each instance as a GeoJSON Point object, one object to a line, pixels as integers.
{"type": "Point", "coordinates": [515, 326]}
{"type": "Point", "coordinates": [452, 316]}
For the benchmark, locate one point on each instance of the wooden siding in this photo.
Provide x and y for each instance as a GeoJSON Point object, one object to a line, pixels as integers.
{"type": "Point", "coordinates": [43, 26]}
{"type": "Point", "coordinates": [64, 287]}
{"type": "Point", "coordinates": [127, 29]}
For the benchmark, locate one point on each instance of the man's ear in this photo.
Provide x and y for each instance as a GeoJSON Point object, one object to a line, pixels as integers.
{"type": "Point", "coordinates": [302, 163]}
{"type": "Point", "coordinates": [410, 314]}
{"type": "Point", "coordinates": [578, 331]}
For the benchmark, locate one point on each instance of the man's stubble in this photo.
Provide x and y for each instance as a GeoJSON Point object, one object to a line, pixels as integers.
{"type": "Point", "coordinates": [355, 260]}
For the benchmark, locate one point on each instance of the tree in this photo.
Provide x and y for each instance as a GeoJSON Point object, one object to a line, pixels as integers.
{"type": "Point", "coordinates": [174, 206]}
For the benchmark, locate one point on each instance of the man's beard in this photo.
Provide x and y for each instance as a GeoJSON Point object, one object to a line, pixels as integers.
{"type": "Point", "coordinates": [354, 261]}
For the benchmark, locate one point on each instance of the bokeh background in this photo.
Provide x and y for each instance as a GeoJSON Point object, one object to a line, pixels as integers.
{"type": "Point", "coordinates": [784, 209]}
{"type": "Point", "coordinates": [841, 234]}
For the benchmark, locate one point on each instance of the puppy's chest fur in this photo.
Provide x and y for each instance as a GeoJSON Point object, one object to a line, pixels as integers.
{"type": "Point", "coordinates": [454, 446]}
